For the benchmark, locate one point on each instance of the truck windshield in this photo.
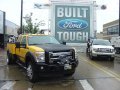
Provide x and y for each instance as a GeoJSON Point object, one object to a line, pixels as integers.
{"type": "Point", "coordinates": [101, 42]}
{"type": "Point", "coordinates": [36, 40]}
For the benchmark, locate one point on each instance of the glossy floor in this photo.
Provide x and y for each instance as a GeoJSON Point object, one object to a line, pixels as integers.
{"type": "Point", "coordinates": [98, 74]}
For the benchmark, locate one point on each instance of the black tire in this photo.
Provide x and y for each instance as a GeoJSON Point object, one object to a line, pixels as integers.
{"type": "Point", "coordinates": [70, 73]}
{"type": "Point", "coordinates": [91, 56]}
{"type": "Point", "coordinates": [112, 58]}
{"type": "Point", "coordinates": [10, 59]}
{"type": "Point", "coordinates": [31, 73]}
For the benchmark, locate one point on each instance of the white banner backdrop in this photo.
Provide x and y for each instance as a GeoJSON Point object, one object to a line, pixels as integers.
{"type": "Point", "coordinates": [1, 22]}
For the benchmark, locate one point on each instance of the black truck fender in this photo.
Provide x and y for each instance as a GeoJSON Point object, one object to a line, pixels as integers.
{"type": "Point", "coordinates": [30, 58]}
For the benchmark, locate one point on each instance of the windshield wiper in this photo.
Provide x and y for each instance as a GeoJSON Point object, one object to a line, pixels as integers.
{"type": "Point", "coordinates": [49, 43]}
{"type": "Point", "coordinates": [34, 44]}
{"type": "Point", "coordinates": [96, 44]}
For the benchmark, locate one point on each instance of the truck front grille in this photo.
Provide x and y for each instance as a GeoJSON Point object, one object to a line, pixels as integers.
{"type": "Point", "coordinates": [105, 50]}
{"type": "Point", "coordinates": [55, 57]}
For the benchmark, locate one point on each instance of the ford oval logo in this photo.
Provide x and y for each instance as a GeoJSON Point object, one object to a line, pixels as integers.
{"type": "Point", "coordinates": [72, 24]}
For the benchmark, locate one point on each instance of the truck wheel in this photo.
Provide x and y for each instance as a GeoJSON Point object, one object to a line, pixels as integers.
{"type": "Point", "coordinates": [111, 58]}
{"type": "Point", "coordinates": [70, 73]}
{"type": "Point", "coordinates": [31, 74]}
{"type": "Point", "coordinates": [10, 59]}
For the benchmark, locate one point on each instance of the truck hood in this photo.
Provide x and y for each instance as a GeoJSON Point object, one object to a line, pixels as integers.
{"type": "Point", "coordinates": [54, 47]}
{"type": "Point", "coordinates": [34, 48]}
{"type": "Point", "coordinates": [102, 46]}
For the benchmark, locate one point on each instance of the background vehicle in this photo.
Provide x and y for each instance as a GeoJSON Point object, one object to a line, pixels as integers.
{"type": "Point", "coordinates": [42, 55]}
{"type": "Point", "coordinates": [115, 41]}
{"type": "Point", "coordinates": [101, 47]}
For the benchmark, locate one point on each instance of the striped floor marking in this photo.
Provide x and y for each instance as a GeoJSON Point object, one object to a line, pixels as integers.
{"type": "Point", "coordinates": [29, 88]}
{"type": "Point", "coordinates": [86, 85]}
{"type": "Point", "coordinates": [103, 69]}
{"type": "Point", "coordinates": [8, 85]}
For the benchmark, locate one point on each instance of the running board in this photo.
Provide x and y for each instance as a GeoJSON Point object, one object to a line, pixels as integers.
{"type": "Point", "coordinates": [21, 64]}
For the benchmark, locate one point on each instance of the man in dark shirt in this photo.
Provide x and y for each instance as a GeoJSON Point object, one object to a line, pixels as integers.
{"type": "Point", "coordinates": [88, 45]}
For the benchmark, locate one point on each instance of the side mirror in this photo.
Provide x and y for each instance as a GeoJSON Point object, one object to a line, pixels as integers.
{"type": "Point", "coordinates": [64, 43]}
{"type": "Point", "coordinates": [113, 45]}
{"type": "Point", "coordinates": [17, 44]}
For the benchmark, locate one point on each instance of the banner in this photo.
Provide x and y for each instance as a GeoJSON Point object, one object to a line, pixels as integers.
{"type": "Point", "coordinates": [72, 23]}
{"type": "Point", "coordinates": [1, 22]}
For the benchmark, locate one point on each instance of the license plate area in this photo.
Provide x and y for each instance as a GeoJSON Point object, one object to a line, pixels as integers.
{"type": "Point", "coordinates": [67, 66]}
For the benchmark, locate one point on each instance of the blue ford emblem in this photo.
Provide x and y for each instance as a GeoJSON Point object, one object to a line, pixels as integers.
{"type": "Point", "coordinates": [72, 24]}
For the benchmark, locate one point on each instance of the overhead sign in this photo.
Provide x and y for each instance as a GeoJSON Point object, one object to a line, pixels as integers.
{"type": "Point", "coordinates": [1, 22]}
{"type": "Point", "coordinates": [72, 23]}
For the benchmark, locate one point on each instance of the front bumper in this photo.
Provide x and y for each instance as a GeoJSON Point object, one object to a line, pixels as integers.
{"type": "Point", "coordinates": [96, 54]}
{"type": "Point", "coordinates": [54, 69]}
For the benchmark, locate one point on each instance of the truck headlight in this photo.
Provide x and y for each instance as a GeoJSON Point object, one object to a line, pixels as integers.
{"type": "Point", "coordinates": [95, 49]}
{"type": "Point", "coordinates": [112, 50]}
{"type": "Point", "coordinates": [40, 56]}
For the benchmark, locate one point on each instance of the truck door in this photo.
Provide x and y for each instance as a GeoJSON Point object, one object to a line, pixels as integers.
{"type": "Point", "coordinates": [18, 49]}
{"type": "Point", "coordinates": [23, 49]}
{"type": "Point", "coordinates": [21, 52]}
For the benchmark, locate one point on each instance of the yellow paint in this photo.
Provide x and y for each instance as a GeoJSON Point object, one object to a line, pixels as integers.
{"type": "Point", "coordinates": [21, 52]}
{"type": "Point", "coordinates": [35, 49]}
{"type": "Point", "coordinates": [11, 48]}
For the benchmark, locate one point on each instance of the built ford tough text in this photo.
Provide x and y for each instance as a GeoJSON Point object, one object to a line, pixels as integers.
{"type": "Point", "coordinates": [42, 55]}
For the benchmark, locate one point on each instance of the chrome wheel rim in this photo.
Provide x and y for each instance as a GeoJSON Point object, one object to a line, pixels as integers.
{"type": "Point", "coordinates": [29, 72]}
{"type": "Point", "coordinates": [7, 59]}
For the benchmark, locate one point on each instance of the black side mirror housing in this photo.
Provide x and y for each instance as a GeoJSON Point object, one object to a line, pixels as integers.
{"type": "Point", "coordinates": [17, 44]}
{"type": "Point", "coordinates": [64, 43]}
{"type": "Point", "coordinates": [113, 45]}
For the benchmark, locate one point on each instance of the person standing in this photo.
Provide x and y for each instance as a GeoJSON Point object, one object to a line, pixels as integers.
{"type": "Point", "coordinates": [88, 45]}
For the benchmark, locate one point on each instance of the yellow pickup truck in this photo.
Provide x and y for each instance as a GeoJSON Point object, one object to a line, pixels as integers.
{"type": "Point", "coordinates": [42, 56]}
